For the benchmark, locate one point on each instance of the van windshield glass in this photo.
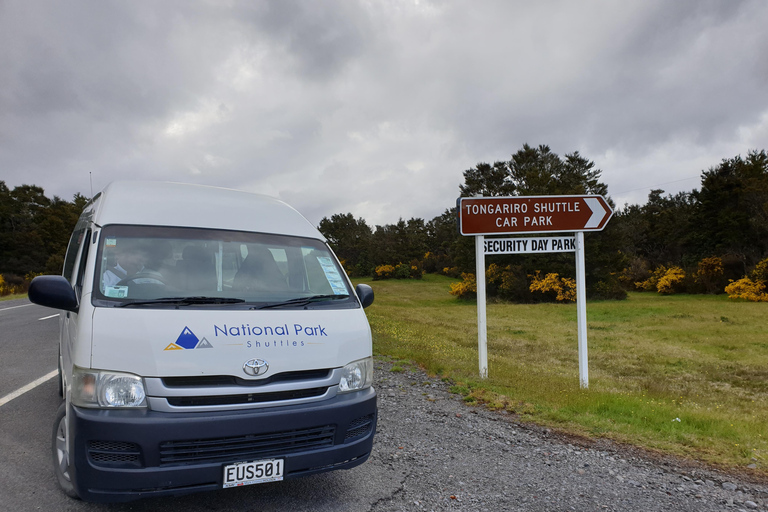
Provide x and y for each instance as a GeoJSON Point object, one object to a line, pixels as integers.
{"type": "Point", "coordinates": [170, 266]}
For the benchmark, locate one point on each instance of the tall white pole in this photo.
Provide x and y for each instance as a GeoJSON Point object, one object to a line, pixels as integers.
{"type": "Point", "coordinates": [482, 326]}
{"type": "Point", "coordinates": [581, 310]}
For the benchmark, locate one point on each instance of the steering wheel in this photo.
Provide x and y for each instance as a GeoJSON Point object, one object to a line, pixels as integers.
{"type": "Point", "coordinates": [153, 279]}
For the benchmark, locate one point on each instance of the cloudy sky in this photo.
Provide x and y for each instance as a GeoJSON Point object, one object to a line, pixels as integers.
{"type": "Point", "coordinates": [375, 107]}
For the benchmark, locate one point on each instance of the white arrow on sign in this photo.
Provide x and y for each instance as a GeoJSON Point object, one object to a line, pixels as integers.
{"type": "Point", "coordinates": [598, 212]}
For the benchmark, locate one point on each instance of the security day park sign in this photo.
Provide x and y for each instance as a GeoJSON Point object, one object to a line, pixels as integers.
{"type": "Point", "coordinates": [514, 215]}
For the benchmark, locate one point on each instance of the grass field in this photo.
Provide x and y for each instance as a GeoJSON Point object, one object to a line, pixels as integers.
{"type": "Point", "coordinates": [683, 374]}
{"type": "Point", "coordinates": [13, 297]}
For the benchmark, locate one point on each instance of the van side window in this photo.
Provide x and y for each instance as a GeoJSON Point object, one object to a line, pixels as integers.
{"type": "Point", "coordinates": [75, 242]}
{"type": "Point", "coordinates": [83, 261]}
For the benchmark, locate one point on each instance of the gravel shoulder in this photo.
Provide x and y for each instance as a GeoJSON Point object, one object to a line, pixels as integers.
{"type": "Point", "coordinates": [450, 456]}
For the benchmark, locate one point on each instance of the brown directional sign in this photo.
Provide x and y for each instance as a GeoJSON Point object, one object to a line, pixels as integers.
{"type": "Point", "coordinates": [532, 214]}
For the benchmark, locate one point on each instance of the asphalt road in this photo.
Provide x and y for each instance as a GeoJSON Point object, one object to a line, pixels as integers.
{"type": "Point", "coordinates": [432, 452]}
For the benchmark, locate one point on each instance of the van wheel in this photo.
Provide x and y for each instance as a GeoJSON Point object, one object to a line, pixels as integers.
{"type": "Point", "coordinates": [62, 468]}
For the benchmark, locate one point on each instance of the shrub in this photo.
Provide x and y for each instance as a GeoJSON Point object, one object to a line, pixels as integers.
{"type": "Point", "coordinates": [610, 289]}
{"type": "Point", "coordinates": [436, 263]}
{"type": "Point", "coordinates": [637, 272]}
{"type": "Point", "coordinates": [747, 289]}
{"type": "Point", "coordinates": [508, 283]}
{"type": "Point", "coordinates": [760, 274]}
{"type": "Point", "coordinates": [384, 272]}
{"type": "Point", "coordinates": [673, 281]}
{"type": "Point", "coordinates": [563, 288]}
{"type": "Point", "coordinates": [451, 271]}
{"type": "Point", "coordinates": [402, 271]}
{"type": "Point", "coordinates": [664, 280]}
{"type": "Point", "coordinates": [710, 274]}
{"type": "Point", "coordinates": [494, 277]}
{"type": "Point", "coordinates": [649, 285]}
{"type": "Point", "coordinates": [467, 288]}
{"type": "Point", "coordinates": [399, 271]}
{"type": "Point", "coordinates": [11, 284]}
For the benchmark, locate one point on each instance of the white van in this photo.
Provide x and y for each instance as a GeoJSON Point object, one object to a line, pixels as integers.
{"type": "Point", "coordinates": [209, 339]}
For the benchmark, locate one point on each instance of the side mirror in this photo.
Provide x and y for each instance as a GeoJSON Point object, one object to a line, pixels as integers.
{"type": "Point", "coordinates": [53, 292]}
{"type": "Point", "coordinates": [365, 294]}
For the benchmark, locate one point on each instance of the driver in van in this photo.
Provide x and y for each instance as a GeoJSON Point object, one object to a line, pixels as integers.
{"type": "Point", "coordinates": [134, 261]}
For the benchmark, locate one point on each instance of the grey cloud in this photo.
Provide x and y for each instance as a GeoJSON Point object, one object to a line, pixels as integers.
{"type": "Point", "coordinates": [333, 104]}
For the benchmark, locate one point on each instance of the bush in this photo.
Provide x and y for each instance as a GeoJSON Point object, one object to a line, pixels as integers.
{"type": "Point", "coordinates": [649, 285]}
{"type": "Point", "coordinates": [512, 284]}
{"type": "Point", "coordinates": [609, 290]}
{"type": "Point", "coordinates": [508, 283]}
{"type": "Point", "coordinates": [760, 273]}
{"type": "Point", "coordinates": [399, 271]}
{"type": "Point", "coordinates": [384, 272]}
{"type": "Point", "coordinates": [710, 274]}
{"type": "Point", "coordinates": [563, 288]}
{"type": "Point", "coordinates": [747, 289]}
{"type": "Point", "coordinates": [11, 284]}
{"type": "Point", "coordinates": [635, 274]}
{"type": "Point", "coordinates": [673, 281]}
{"type": "Point", "coordinates": [664, 280]}
{"type": "Point", "coordinates": [451, 272]}
{"type": "Point", "coordinates": [402, 271]}
{"type": "Point", "coordinates": [467, 288]}
{"type": "Point", "coordinates": [436, 263]}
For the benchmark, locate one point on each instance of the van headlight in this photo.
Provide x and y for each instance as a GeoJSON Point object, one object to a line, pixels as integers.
{"type": "Point", "coordinates": [357, 375]}
{"type": "Point", "coordinates": [93, 388]}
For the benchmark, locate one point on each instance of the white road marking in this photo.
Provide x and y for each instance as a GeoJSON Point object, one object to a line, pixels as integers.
{"type": "Point", "coordinates": [14, 307]}
{"type": "Point", "coordinates": [47, 317]}
{"type": "Point", "coordinates": [29, 387]}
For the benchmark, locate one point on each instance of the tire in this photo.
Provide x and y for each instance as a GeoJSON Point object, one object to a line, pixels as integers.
{"type": "Point", "coordinates": [60, 450]}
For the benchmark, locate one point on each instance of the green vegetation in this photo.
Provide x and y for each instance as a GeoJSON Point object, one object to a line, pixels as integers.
{"type": "Point", "coordinates": [13, 297]}
{"type": "Point", "coordinates": [692, 242]}
{"type": "Point", "coordinates": [34, 233]}
{"type": "Point", "coordinates": [684, 374]}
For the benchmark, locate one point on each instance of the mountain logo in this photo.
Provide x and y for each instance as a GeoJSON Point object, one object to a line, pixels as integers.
{"type": "Point", "coordinates": [187, 340]}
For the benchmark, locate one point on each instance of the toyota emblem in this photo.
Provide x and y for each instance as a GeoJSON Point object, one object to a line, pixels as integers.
{"type": "Point", "coordinates": [255, 367]}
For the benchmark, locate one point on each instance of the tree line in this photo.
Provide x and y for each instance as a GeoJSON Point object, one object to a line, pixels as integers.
{"type": "Point", "coordinates": [34, 233]}
{"type": "Point", "coordinates": [698, 240]}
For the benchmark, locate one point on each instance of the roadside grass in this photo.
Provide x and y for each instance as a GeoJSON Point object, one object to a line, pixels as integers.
{"type": "Point", "coordinates": [13, 296]}
{"type": "Point", "coordinates": [682, 374]}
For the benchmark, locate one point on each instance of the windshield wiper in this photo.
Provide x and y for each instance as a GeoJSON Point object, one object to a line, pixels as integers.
{"type": "Point", "coordinates": [301, 301]}
{"type": "Point", "coordinates": [183, 301]}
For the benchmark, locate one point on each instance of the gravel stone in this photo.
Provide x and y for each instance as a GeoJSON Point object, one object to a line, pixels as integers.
{"type": "Point", "coordinates": [448, 455]}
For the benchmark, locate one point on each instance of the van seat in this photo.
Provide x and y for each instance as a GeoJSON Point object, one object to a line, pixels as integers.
{"type": "Point", "coordinates": [196, 269]}
{"type": "Point", "coordinates": [260, 272]}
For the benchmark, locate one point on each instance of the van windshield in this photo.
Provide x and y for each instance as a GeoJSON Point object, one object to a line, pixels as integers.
{"type": "Point", "coordinates": [151, 265]}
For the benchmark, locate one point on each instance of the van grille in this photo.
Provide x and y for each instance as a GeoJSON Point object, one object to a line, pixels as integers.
{"type": "Point", "coordinates": [359, 427]}
{"type": "Point", "coordinates": [250, 398]}
{"type": "Point", "coordinates": [114, 453]}
{"type": "Point", "coordinates": [246, 447]}
{"type": "Point", "coordinates": [229, 380]}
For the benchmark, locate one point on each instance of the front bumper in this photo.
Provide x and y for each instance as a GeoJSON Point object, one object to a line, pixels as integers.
{"type": "Point", "coordinates": [122, 455]}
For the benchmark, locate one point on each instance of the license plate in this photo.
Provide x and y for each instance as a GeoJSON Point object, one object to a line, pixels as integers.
{"type": "Point", "coordinates": [256, 472]}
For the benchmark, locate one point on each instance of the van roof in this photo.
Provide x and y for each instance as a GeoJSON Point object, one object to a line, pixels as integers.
{"type": "Point", "coordinates": [181, 204]}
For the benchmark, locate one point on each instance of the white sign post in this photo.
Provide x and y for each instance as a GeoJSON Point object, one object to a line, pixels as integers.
{"type": "Point", "coordinates": [581, 311]}
{"type": "Point", "coordinates": [482, 324]}
{"type": "Point", "coordinates": [480, 216]}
